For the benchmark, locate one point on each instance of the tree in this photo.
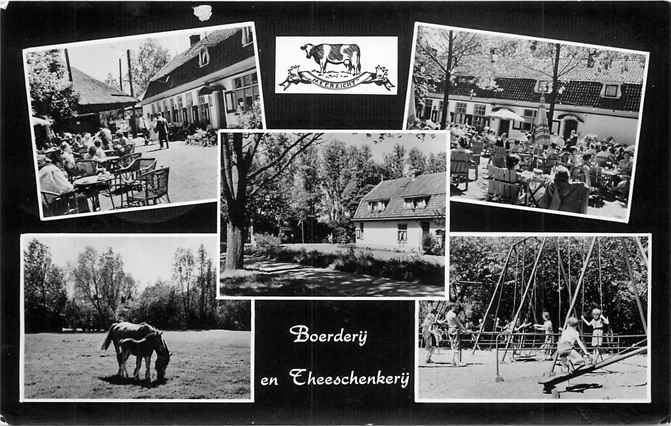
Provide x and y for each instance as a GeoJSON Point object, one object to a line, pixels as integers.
{"type": "Point", "coordinates": [101, 281]}
{"type": "Point", "coordinates": [438, 54]}
{"type": "Point", "coordinates": [250, 162]}
{"type": "Point", "coordinates": [112, 81]}
{"type": "Point", "coordinates": [183, 265]}
{"type": "Point", "coordinates": [44, 289]}
{"type": "Point", "coordinates": [146, 63]}
{"type": "Point", "coordinates": [306, 194]}
{"type": "Point", "coordinates": [557, 62]}
{"type": "Point", "coordinates": [51, 91]}
{"type": "Point", "coordinates": [416, 161]}
{"type": "Point", "coordinates": [394, 161]}
{"type": "Point", "coordinates": [437, 163]}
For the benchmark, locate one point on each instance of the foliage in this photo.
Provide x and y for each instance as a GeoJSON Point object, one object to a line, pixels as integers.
{"type": "Point", "coordinates": [476, 264]}
{"type": "Point", "coordinates": [51, 92]}
{"type": "Point", "coordinates": [146, 63]}
{"type": "Point", "coordinates": [266, 243]}
{"type": "Point", "coordinates": [394, 162]}
{"type": "Point", "coordinates": [44, 289]}
{"type": "Point", "coordinates": [104, 292]}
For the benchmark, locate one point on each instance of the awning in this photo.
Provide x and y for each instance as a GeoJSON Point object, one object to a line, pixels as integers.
{"type": "Point", "coordinates": [506, 114]}
{"type": "Point", "coordinates": [570, 116]}
{"type": "Point", "coordinates": [206, 90]}
{"type": "Point", "coordinates": [37, 121]}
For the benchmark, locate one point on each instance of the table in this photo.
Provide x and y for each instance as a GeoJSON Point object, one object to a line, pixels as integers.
{"type": "Point", "coordinates": [109, 162]}
{"type": "Point", "coordinates": [91, 186]}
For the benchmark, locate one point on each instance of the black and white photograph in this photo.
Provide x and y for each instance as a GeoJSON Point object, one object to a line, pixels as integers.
{"type": "Point", "coordinates": [539, 318]}
{"type": "Point", "coordinates": [122, 317]}
{"type": "Point", "coordinates": [131, 122]}
{"type": "Point", "coordinates": [535, 123]}
{"type": "Point", "coordinates": [333, 213]}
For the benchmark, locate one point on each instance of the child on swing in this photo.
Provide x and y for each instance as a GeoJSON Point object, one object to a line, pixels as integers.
{"type": "Point", "coordinates": [566, 353]}
{"type": "Point", "coordinates": [546, 347]}
{"type": "Point", "coordinates": [597, 322]}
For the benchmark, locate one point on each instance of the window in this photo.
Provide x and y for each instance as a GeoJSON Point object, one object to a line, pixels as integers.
{"type": "Point", "coordinates": [416, 202]}
{"type": "Point", "coordinates": [359, 231]}
{"type": "Point", "coordinates": [245, 93]}
{"type": "Point", "coordinates": [246, 35]}
{"type": "Point", "coordinates": [479, 109]}
{"type": "Point", "coordinates": [203, 57]}
{"type": "Point", "coordinates": [460, 108]}
{"type": "Point", "coordinates": [529, 118]}
{"type": "Point", "coordinates": [377, 206]}
{"type": "Point", "coordinates": [204, 109]}
{"type": "Point", "coordinates": [402, 232]}
{"type": "Point", "coordinates": [610, 91]}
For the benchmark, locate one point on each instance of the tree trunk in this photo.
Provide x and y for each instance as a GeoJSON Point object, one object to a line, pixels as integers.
{"type": "Point", "coordinates": [446, 94]}
{"type": "Point", "coordinates": [555, 81]}
{"type": "Point", "coordinates": [234, 244]}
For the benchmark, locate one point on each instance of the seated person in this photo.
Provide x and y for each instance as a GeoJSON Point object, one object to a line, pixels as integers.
{"type": "Point", "coordinates": [562, 195]}
{"type": "Point", "coordinates": [512, 162]}
{"type": "Point", "coordinates": [91, 154]}
{"type": "Point", "coordinates": [67, 158]}
{"type": "Point", "coordinates": [52, 179]}
{"type": "Point", "coordinates": [626, 165]}
{"type": "Point", "coordinates": [603, 156]}
{"type": "Point", "coordinates": [100, 153]}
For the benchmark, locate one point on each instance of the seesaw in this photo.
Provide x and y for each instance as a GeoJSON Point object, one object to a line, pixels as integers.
{"type": "Point", "coordinates": [549, 383]}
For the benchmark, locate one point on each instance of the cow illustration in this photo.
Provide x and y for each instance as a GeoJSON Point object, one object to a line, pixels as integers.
{"type": "Point", "coordinates": [346, 54]}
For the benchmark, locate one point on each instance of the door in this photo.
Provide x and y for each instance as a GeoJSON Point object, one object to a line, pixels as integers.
{"type": "Point", "coordinates": [426, 232]}
{"type": "Point", "coordinates": [568, 126]}
{"type": "Point", "coordinates": [504, 126]}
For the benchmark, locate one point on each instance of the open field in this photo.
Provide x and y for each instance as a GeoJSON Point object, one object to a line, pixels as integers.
{"type": "Point", "coordinates": [211, 364]}
{"type": "Point", "coordinates": [440, 380]}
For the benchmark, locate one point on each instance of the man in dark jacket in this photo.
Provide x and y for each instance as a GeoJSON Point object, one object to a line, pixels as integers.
{"type": "Point", "coordinates": [162, 130]}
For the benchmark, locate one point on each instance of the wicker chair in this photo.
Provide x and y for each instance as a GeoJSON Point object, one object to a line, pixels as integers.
{"type": "Point", "coordinates": [127, 160]}
{"type": "Point", "coordinates": [153, 187]}
{"type": "Point", "coordinates": [125, 178]}
{"type": "Point", "coordinates": [54, 204]}
{"type": "Point", "coordinates": [87, 167]}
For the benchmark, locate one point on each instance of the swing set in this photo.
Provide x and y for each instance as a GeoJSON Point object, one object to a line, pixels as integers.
{"type": "Point", "coordinates": [519, 279]}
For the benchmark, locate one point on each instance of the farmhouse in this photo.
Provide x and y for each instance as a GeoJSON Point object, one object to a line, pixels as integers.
{"type": "Point", "coordinates": [604, 108]}
{"type": "Point", "coordinates": [400, 214]}
{"type": "Point", "coordinates": [210, 84]}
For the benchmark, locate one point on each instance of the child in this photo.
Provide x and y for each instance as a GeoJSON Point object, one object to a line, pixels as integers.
{"type": "Point", "coordinates": [429, 334]}
{"type": "Point", "coordinates": [454, 326]}
{"type": "Point", "coordinates": [566, 353]}
{"type": "Point", "coordinates": [597, 322]}
{"type": "Point", "coordinates": [547, 328]}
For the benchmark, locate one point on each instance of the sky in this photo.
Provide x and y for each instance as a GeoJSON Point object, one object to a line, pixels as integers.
{"type": "Point", "coordinates": [102, 58]}
{"type": "Point", "coordinates": [146, 258]}
{"type": "Point", "coordinates": [431, 143]}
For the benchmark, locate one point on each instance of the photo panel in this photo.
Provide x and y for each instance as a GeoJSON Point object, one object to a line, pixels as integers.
{"type": "Point", "coordinates": [536, 124]}
{"type": "Point", "coordinates": [539, 318]}
{"type": "Point", "coordinates": [130, 123]}
{"type": "Point", "coordinates": [130, 318]}
{"type": "Point", "coordinates": [320, 214]}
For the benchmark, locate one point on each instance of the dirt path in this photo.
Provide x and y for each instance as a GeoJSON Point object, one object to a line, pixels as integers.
{"type": "Point", "coordinates": [212, 364]}
{"type": "Point", "coordinates": [269, 278]}
{"type": "Point", "coordinates": [440, 380]}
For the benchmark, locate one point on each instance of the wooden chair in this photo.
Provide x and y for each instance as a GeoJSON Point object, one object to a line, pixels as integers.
{"type": "Point", "coordinates": [460, 162]}
{"type": "Point", "coordinates": [498, 156]}
{"type": "Point", "coordinates": [504, 185]}
{"type": "Point", "coordinates": [476, 152]}
{"type": "Point", "coordinates": [154, 187]}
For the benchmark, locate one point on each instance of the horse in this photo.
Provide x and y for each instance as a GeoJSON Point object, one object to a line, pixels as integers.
{"type": "Point", "coordinates": [127, 330]}
{"type": "Point", "coordinates": [142, 349]}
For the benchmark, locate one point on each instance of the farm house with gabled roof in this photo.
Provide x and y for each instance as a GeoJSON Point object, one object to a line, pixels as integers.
{"type": "Point", "coordinates": [400, 214]}
{"type": "Point", "coordinates": [210, 84]}
{"type": "Point", "coordinates": [586, 104]}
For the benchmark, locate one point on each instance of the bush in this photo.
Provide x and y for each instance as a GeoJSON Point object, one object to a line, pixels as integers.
{"type": "Point", "coordinates": [433, 245]}
{"type": "Point", "coordinates": [267, 243]}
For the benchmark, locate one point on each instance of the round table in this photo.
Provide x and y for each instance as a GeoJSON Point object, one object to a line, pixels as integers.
{"type": "Point", "coordinates": [91, 186]}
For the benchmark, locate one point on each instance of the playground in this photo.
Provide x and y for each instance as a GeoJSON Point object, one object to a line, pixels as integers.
{"type": "Point", "coordinates": [561, 317]}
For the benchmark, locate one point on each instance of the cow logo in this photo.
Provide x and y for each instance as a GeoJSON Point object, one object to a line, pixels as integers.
{"type": "Point", "coordinates": [334, 67]}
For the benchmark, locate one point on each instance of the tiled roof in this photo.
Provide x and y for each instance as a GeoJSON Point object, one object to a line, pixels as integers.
{"type": "Point", "coordinates": [96, 95]}
{"type": "Point", "coordinates": [224, 48]}
{"type": "Point", "coordinates": [580, 93]}
{"type": "Point", "coordinates": [396, 190]}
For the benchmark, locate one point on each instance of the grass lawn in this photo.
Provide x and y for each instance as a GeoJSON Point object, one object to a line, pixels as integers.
{"type": "Point", "coordinates": [211, 364]}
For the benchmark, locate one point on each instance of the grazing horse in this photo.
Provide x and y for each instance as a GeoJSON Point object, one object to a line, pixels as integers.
{"type": "Point", "coordinates": [127, 330]}
{"type": "Point", "coordinates": [143, 349]}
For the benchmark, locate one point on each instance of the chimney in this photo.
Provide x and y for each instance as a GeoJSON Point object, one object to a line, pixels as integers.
{"type": "Point", "coordinates": [193, 39]}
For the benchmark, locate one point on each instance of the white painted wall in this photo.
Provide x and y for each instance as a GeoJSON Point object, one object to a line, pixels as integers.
{"type": "Point", "coordinates": [384, 234]}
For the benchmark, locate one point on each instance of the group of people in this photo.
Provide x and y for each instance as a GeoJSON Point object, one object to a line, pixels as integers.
{"type": "Point", "coordinates": [432, 331]}
{"type": "Point", "coordinates": [604, 167]}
